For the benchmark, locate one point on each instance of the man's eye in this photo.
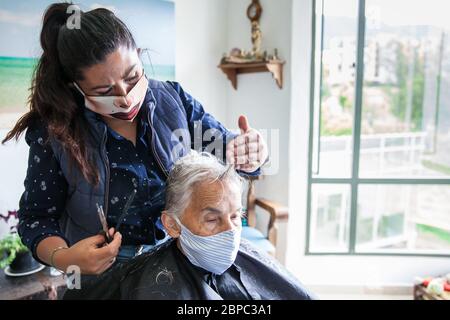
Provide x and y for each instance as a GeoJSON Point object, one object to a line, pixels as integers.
{"type": "Point", "coordinates": [211, 220]}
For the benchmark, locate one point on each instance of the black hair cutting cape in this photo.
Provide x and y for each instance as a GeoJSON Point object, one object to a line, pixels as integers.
{"type": "Point", "coordinates": [163, 274]}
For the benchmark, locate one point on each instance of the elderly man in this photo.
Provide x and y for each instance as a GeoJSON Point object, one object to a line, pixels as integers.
{"type": "Point", "coordinates": [206, 257]}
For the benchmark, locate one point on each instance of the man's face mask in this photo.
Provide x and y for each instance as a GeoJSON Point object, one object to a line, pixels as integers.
{"type": "Point", "coordinates": [112, 106]}
{"type": "Point", "coordinates": [214, 253]}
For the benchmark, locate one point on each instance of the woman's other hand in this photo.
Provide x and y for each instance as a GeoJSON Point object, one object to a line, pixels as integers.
{"type": "Point", "coordinates": [248, 151]}
{"type": "Point", "coordinates": [92, 255]}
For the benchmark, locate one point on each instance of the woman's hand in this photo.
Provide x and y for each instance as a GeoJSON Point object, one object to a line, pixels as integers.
{"type": "Point", "coordinates": [248, 151]}
{"type": "Point", "coordinates": [92, 255]}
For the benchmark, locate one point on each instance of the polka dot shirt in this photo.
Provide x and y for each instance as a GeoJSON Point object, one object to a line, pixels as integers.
{"type": "Point", "coordinates": [132, 167]}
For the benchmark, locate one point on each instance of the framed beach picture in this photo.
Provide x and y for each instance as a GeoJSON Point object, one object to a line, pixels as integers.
{"type": "Point", "coordinates": [152, 23]}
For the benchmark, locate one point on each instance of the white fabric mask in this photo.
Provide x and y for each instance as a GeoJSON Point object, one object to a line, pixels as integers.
{"type": "Point", "coordinates": [111, 105]}
{"type": "Point", "coordinates": [214, 253]}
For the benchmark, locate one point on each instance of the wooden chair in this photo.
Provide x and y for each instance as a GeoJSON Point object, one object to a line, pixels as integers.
{"type": "Point", "coordinates": [277, 213]}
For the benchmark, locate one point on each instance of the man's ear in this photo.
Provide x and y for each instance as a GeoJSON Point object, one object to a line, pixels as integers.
{"type": "Point", "coordinates": [170, 224]}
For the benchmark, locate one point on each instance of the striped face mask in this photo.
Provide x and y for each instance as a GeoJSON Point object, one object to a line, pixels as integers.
{"type": "Point", "coordinates": [214, 253]}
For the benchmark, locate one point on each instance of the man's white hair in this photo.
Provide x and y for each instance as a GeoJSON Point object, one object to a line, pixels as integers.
{"type": "Point", "coordinates": [190, 170]}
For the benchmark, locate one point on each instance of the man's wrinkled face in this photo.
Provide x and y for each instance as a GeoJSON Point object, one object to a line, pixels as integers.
{"type": "Point", "coordinates": [214, 207]}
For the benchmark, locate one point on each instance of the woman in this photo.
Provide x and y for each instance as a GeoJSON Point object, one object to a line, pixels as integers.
{"type": "Point", "coordinates": [100, 133]}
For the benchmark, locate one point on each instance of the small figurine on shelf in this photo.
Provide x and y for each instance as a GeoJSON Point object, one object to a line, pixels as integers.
{"type": "Point", "coordinates": [237, 55]}
{"type": "Point", "coordinates": [256, 41]}
{"type": "Point", "coordinates": [275, 54]}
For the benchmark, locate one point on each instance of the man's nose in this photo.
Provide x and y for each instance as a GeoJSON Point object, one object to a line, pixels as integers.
{"type": "Point", "coordinates": [228, 224]}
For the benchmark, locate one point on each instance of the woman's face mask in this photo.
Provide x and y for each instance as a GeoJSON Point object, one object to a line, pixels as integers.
{"type": "Point", "coordinates": [113, 106]}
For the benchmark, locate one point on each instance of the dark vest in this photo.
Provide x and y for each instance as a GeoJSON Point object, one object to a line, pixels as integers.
{"type": "Point", "coordinates": [166, 113]}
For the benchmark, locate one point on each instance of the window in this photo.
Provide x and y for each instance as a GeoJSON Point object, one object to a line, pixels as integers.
{"type": "Point", "coordinates": [379, 167]}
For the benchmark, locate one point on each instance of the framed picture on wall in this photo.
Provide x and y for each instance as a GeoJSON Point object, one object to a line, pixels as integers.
{"type": "Point", "coordinates": [152, 23]}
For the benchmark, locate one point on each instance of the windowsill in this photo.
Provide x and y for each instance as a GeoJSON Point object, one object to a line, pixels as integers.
{"type": "Point", "coordinates": [365, 274]}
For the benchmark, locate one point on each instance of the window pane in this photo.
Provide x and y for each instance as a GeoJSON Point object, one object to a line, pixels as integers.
{"type": "Point", "coordinates": [330, 213]}
{"type": "Point", "coordinates": [405, 218]}
{"type": "Point", "coordinates": [334, 88]}
{"type": "Point", "coordinates": [406, 103]}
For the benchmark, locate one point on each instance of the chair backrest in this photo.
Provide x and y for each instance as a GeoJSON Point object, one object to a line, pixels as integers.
{"type": "Point", "coordinates": [251, 199]}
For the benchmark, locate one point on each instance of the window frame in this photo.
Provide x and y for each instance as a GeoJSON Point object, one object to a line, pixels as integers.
{"type": "Point", "coordinates": [354, 181]}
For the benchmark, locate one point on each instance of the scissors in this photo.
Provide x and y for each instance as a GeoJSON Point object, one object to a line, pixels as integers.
{"type": "Point", "coordinates": [102, 217]}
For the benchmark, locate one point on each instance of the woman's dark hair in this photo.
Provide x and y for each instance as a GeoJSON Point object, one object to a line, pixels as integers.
{"type": "Point", "coordinates": [66, 51]}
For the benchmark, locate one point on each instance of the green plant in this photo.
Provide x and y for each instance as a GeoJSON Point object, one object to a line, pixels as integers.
{"type": "Point", "coordinates": [10, 246]}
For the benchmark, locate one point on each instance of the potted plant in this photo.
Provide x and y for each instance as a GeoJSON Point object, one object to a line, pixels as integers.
{"type": "Point", "coordinates": [15, 258]}
{"type": "Point", "coordinates": [11, 247]}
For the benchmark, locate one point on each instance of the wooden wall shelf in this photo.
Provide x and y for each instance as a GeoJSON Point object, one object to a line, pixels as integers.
{"type": "Point", "coordinates": [233, 69]}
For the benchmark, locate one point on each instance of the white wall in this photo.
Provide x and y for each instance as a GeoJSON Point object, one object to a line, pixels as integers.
{"type": "Point", "coordinates": [13, 166]}
{"type": "Point", "coordinates": [200, 42]}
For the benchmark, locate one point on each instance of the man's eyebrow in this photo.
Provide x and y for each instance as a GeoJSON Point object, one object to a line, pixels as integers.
{"type": "Point", "coordinates": [212, 210]}
{"type": "Point", "coordinates": [217, 211]}
{"type": "Point", "coordinates": [124, 76]}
